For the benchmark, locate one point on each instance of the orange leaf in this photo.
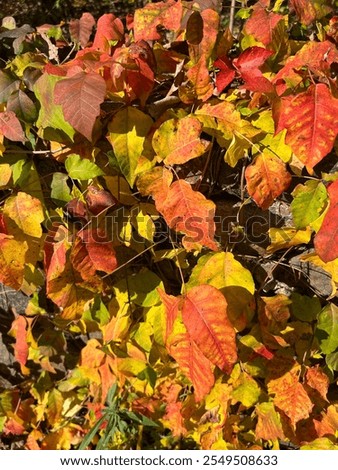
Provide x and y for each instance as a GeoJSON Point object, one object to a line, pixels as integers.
{"type": "Point", "coordinates": [155, 183]}
{"type": "Point", "coordinates": [326, 240]}
{"type": "Point", "coordinates": [317, 380]}
{"type": "Point", "coordinates": [266, 179]}
{"type": "Point", "coordinates": [173, 419]}
{"type": "Point", "coordinates": [192, 363]}
{"type": "Point", "coordinates": [189, 212]}
{"type": "Point", "coordinates": [329, 423]}
{"type": "Point", "coordinates": [147, 20]}
{"type": "Point", "coordinates": [199, 76]}
{"type": "Point", "coordinates": [311, 124]}
{"type": "Point", "coordinates": [204, 314]}
{"type": "Point", "coordinates": [290, 396]}
{"type": "Point", "coordinates": [91, 252]}
{"type": "Point", "coordinates": [19, 331]}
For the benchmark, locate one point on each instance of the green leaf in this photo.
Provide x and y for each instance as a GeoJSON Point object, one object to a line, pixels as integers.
{"type": "Point", "coordinates": [60, 192]}
{"type": "Point", "coordinates": [308, 203]}
{"type": "Point", "coordinates": [327, 329]}
{"type": "Point", "coordinates": [332, 361]}
{"type": "Point", "coordinates": [81, 169]}
{"type": "Point", "coordinates": [305, 308]}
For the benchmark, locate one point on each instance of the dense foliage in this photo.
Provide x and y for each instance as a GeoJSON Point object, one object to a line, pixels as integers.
{"type": "Point", "coordinates": [168, 191]}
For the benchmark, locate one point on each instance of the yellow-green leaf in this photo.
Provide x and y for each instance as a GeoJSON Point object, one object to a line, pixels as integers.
{"type": "Point", "coordinates": [127, 134]}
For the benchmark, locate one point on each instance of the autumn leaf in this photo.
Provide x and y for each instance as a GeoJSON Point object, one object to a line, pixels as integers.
{"type": "Point", "coordinates": [50, 114]}
{"type": "Point", "coordinates": [191, 361]}
{"type": "Point", "coordinates": [326, 240]}
{"type": "Point", "coordinates": [308, 203]}
{"type": "Point", "coordinates": [267, 177]}
{"type": "Point", "coordinates": [69, 292]}
{"type": "Point", "coordinates": [148, 19]}
{"type": "Point", "coordinates": [127, 135]}
{"type": "Point", "coordinates": [19, 330]}
{"type": "Point", "coordinates": [269, 426]}
{"type": "Point", "coordinates": [199, 77]}
{"type": "Point", "coordinates": [290, 396]}
{"type": "Point", "coordinates": [80, 96]}
{"type": "Point", "coordinates": [311, 55]}
{"type": "Point", "coordinates": [309, 119]}
{"type": "Point", "coordinates": [209, 24]}
{"type": "Point", "coordinates": [245, 388]}
{"type": "Point", "coordinates": [10, 127]}
{"type": "Point", "coordinates": [285, 237]}
{"type": "Point", "coordinates": [26, 213]}
{"type": "Point", "coordinates": [12, 261]}
{"type": "Point", "coordinates": [308, 10]}
{"type": "Point", "coordinates": [99, 200]}
{"type": "Point", "coordinates": [204, 313]}
{"type": "Point", "coordinates": [80, 30]}
{"type": "Point", "coordinates": [248, 64]}
{"type": "Point", "coordinates": [92, 252]}
{"type": "Point", "coordinates": [226, 73]}
{"type": "Point", "coordinates": [262, 23]}
{"type": "Point", "coordinates": [178, 140]}
{"type": "Point", "coordinates": [189, 212]}
{"type": "Point", "coordinates": [317, 380]}
{"type": "Point", "coordinates": [109, 29]}
{"type": "Point", "coordinates": [172, 305]}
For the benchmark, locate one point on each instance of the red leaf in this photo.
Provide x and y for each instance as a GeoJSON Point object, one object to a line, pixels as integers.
{"type": "Point", "coordinates": [262, 23]}
{"type": "Point", "coordinates": [55, 249]}
{"type": "Point", "coordinates": [204, 314]}
{"type": "Point", "coordinates": [266, 179]}
{"type": "Point", "coordinates": [248, 64]}
{"type": "Point", "coordinates": [310, 119]}
{"type": "Point", "coordinates": [109, 28]}
{"type": "Point", "coordinates": [189, 212]}
{"type": "Point", "coordinates": [10, 127]}
{"type": "Point", "coordinates": [226, 74]}
{"type": "Point", "coordinates": [80, 97]}
{"type": "Point", "coordinates": [99, 200]}
{"type": "Point", "coordinates": [92, 252]}
{"type": "Point", "coordinates": [80, 30]}
{"type": "Point", "coordinates": [326, 240]}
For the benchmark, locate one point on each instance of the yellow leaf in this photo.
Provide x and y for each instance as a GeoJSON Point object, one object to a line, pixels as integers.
{"type": "Point", "coordinates": [12, 261]}
{"type": "Point", "coordinates": [283, 238]}
{"type": "Point", "coordinates": [26, 212]}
